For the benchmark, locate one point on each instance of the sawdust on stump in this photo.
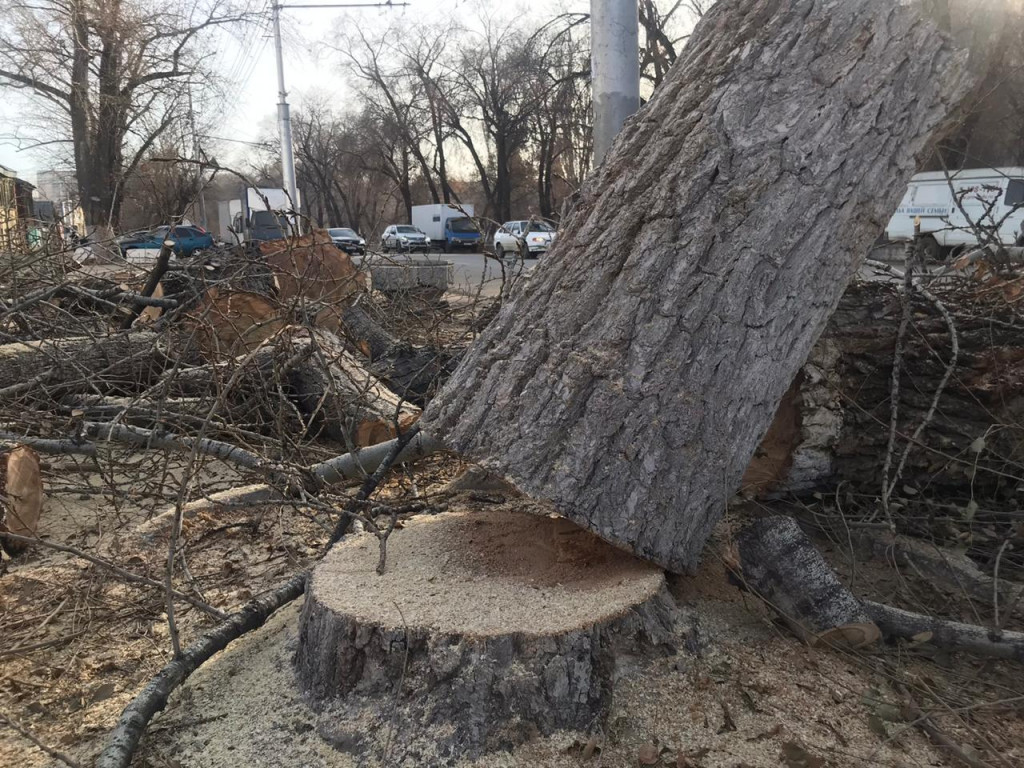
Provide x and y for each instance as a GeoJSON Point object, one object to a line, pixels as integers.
{"type": "Point", "coordinates": [487, 628]}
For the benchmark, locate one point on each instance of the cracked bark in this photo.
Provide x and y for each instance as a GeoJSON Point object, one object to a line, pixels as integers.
{"type": "Point", "coordinates": [631, 380]}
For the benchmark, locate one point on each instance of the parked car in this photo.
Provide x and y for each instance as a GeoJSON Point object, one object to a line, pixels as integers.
{"type": "Point", "coordinates": [187, 239]}
{"type": "Point", "coordinates": [347, 239]}
{"type": "Point", "coordinates": [536, 234]}
{"type": "Point", "coordinates": [404, 237]}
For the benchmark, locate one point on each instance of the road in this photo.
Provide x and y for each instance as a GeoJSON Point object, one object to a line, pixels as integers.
{"type": "Point", "coordinates": [473, 272]}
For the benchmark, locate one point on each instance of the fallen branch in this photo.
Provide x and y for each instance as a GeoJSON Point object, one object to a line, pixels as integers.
{"type": "Point", "coordinates": [957, 571]}
{"type": "Point", "coordinates": [151, 282]}
{"type": "Point", "coordinates": [348, 466]}
{"type": "Point", "coordinates": [25, 733]}
{"type": "Point", "coordinates": [127, 576]}
{"type": "Point", "coordinates": [895, 622]}
{"type": "Point", "coordinates": [124, 739]}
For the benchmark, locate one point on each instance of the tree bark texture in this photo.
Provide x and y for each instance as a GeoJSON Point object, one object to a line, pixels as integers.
{"type": "Point", "coordinates": [119, 362]}
{"type": "Point", "coordinates": [783, 566]}
{"type": "Point", "coordinates": [631, 380]}
{"type": "Point", "coordinates": [833, 425]}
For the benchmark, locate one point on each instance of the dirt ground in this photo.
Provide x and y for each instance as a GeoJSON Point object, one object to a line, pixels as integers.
{"type": "Point", "coordinates": [77, 643]}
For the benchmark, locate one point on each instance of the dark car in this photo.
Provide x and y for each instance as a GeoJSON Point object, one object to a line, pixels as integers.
{"type": "Point", "coordinates": [187, 239]}
{"type": "Point", "coordinates": [347, 239]}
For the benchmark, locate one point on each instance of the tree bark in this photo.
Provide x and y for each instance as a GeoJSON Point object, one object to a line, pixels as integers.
{"type": "Point", "coordinates": [119, 362]}
{"type": "Point", "coordinates": [833, 425]}
{"type": "Point", "coordinates": [632, 378]}
{"type": "Point", "coordinates": [782, 565]}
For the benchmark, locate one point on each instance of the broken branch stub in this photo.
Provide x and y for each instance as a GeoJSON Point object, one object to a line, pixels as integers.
{"type": "Point", "coordinates": [631, 380]}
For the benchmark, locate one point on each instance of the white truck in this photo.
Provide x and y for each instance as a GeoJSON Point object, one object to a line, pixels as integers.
{"type": "Point", "coordinates": [448, 226]}
{"type": "Point", "coordinates": [259, 214]}
{"type": "Point", "coordinates": [950, 206]}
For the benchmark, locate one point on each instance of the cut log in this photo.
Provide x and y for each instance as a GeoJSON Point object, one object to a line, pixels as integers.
{"type": "Point", "coordinates": [21, 496]}
{"type": "Point", "coordinates": [120, 362]}
{"type": "Point", "coordinates": [486, 628]}
{"type": "Point", "coordinates": [411, 371]}
{"type": "Point", "coordinates": [833, 425]}
{"type": "Point", "coordinates": [313, 275]}
{"type": "Point", "coordinates": [782, 565]}
{"type": "Point", "coordinates": [340, 397]}
{"type": "Point", "coordinates": [301, 372]}
{"type": "Point", "coordinates": [230, 323]}
{"type": "Point", "coordinates": [632, 378]}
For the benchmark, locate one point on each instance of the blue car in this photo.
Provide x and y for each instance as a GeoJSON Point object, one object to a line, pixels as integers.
{"type": "Point", "coordinates": [187, 239]}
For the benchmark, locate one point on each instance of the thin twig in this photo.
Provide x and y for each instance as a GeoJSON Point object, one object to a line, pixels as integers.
{"type": "Point", "coordinates": [28, 735]}
{"type": "Point", "coordinates": [127, 576]}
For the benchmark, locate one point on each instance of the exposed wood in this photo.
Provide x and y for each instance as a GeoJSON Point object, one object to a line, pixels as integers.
{"type": "Point", "coordinates": [783, 566]}
{"type": "Point", "coordinates": [230, 323]}
{"type": "Point", "coordinates": [340, 397]}
{"type": "Point", "coordinates": [21, 497]}
{"type": "Point", "coordinates": [152, 281]}
{"type": "Point", "coordinates": [487, 627]}
{"type": "Point", "coordinates": [314, 276]}
{"type": "Point", "coordinates": [632, 378]}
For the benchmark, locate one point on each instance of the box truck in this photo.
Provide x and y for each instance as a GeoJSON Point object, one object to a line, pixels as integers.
{"type": "Point", "coordinates": [950, 206]}
{"type": "Point", "coordinates": [448, 226]}
{"type": "Point", "coordinates": [259, 214]}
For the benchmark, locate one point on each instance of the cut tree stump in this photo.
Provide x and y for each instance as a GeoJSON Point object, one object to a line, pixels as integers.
{"type": "Point", "coordinates": [486, 628]}
{"type": "Point", "coordinates": [632, 378]}
{"type": "Point", "coordinates": [782, 565]}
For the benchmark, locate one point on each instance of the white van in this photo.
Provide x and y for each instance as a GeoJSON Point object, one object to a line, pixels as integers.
{"type": "Point", "coordinates": [990, 197]}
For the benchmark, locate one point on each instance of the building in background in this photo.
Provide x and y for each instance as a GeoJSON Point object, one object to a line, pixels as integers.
{"type": "Point", "coordinates": [58, 185]}
{"type": "Point", "coordinates": [56, 203]}
{"type": "Point", "coordinates": [16, 211]}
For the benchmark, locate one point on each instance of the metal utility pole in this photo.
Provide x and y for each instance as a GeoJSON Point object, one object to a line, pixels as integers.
{"type": "Point", "coordinates": [615, 68]}
{"type": "Point", "coordinates": [284, 117]}
{"type": "Point", "coordinates": [198, 156]}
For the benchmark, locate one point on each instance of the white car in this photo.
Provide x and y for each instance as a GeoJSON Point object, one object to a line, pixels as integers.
{"type": "Point", "coordinates": [537, 235]}
{"type": "Point", "coordinates": [404, 237]}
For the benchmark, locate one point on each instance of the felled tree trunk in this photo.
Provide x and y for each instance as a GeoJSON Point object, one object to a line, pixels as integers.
{"type": "Point", "coordinates": [341, 398]}
{"type": "Point", "coordinates": [309, 374]}
{"type": "Point", "coordinates": [833, 425]}
{"type": "Point", "coordinates": [413, 372]}
{"type": "Point", "coordinates": [486, 627]}
{"type": "Point", "coordinates": [632, 378]}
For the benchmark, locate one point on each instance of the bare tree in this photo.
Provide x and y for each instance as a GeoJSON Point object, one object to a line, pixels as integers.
{"type": "Point", "coordinates": [113, 74]}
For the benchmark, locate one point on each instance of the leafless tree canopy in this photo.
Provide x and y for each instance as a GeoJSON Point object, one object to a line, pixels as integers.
{"type": "Point", "coordinates": [114, 75]}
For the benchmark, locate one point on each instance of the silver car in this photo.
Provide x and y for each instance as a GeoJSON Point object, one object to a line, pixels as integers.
{"type": "Point", "coordinates": [535, 235]}
{"type": "Point", "coordinates": [404, 237]}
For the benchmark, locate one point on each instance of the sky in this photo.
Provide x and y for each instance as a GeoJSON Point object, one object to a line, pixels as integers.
{"type": "Point", "coordinates": [246, 59]}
